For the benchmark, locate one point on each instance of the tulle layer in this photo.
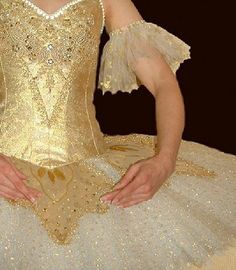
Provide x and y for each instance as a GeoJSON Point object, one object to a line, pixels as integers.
{"type": "Point", "coordinates": [127, 44]}
{"type": "Point", "coordinates": [188, 220]}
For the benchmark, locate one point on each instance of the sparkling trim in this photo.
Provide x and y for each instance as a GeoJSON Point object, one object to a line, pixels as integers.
{"type": "Point", "coordinates": [103, 165]}
{"type": "Point", "coordinates": [103, 15]}
{"type": "Point", "coordinates": [127, 26]}
{"type": "Point", "coordinates": [53, 15]}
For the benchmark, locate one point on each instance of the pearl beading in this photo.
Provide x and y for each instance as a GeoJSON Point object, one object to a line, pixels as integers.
{"type": "Point", "coordinates": [53, 15]}
{"type": "Point", "coordinates": [60, 11]}
{"type": "Point", "coordinates": [103, 15]}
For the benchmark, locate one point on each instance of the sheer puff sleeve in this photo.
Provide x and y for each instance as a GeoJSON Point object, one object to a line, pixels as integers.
{"type": "Point", "coordinates": [126, 44]}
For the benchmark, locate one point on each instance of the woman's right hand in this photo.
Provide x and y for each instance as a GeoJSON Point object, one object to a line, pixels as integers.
{"type": "Point", "coordinates": [11, 182]}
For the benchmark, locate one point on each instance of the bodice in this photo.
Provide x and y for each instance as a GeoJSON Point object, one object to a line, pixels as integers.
{"type": "Point", "coordinates": [47, 81]}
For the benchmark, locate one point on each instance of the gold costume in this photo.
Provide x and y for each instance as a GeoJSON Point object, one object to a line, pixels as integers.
{"type": "Point", "coordinates": [49, 129]}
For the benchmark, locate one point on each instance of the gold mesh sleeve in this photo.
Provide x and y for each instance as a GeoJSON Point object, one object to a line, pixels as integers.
{"type": "Point", "coordinates": [126, 44]}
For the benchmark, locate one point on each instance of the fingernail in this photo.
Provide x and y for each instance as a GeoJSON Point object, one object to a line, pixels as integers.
{"type": "Point", "coordinates": [32, 198]}
{"type": "Point", "coordinates": [115, 201]}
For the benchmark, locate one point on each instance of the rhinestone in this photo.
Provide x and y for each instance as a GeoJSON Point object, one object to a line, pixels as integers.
{"type": "Point", "coordinates": [50, 61]}
{"type": "Point", "coordinates": [50, 46]}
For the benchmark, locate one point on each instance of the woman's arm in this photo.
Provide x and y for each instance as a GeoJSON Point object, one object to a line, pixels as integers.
{"type": "Point", "coordinates": [156, 75]}
{"type": "Point", "coordinates": [145, 177]}
{"type": "Point", "coordinates": [159, 79]}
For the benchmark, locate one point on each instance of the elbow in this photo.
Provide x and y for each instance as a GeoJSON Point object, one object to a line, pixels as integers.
{"type": "Point", "coordinates": [164, 83]}
{"type": "Point", "coordinates": [156, 75]}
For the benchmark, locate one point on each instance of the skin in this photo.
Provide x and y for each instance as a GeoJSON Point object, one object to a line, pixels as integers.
{"type": "Point", "coordinates": [52, 6]}
{"type": "Point", "coordinates": [143, 178]}
{"type": "Point", "coordinates": [12, 184]}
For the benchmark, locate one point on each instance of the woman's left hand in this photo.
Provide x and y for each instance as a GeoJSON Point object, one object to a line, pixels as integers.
{"type": "Point", "coordinates": [141, 181]}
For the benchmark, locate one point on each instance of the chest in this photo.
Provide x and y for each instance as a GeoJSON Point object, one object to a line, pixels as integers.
{"type": "Point", "coordinates": [28, 31]}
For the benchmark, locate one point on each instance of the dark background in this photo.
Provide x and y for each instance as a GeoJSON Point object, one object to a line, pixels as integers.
{"type": "Point", "coordinates": [206, 80]}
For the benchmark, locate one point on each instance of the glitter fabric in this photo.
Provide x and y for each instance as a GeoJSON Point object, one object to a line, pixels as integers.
{"type": "Point", "coordinates": [136, 40]}
{"type": "Point", "coordinates": [49, 130]}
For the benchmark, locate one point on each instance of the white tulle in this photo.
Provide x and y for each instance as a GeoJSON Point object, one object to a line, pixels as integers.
{"type": "Point", "coordinates": [184, 224]}
{"type": "Point", "coordinates": [127, 44]}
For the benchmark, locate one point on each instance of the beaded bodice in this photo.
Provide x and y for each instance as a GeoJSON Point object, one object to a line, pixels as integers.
{"type": "Point", "coordinates": [47, 80]}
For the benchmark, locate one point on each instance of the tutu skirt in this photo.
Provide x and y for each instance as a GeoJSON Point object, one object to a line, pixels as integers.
{"type": "Point", "coordinates": [189, 219]}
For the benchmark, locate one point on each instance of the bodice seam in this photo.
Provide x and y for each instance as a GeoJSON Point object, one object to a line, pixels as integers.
{"type": "Point", "coordinates": [103, 15]}
{"type": "Point", "coordinates": [86, 106]}
{"type": "Point", "coordinates": [5, 89]}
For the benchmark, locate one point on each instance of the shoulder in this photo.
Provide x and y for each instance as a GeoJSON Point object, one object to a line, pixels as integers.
{"type": "Point", "coordinates": [119, 13]}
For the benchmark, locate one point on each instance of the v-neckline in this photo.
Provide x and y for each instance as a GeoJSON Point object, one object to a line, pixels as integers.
{"type": "Point", "coordinates": [55, 13]}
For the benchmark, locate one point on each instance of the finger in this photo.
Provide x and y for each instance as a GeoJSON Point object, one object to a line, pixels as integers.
{"type": "Point", "coordinates": [29, 192]}
{"type": "Point", "coordinates": [35, 191]}
{"type": "Point", "coordinates": [19, 185]}
{"type": "Point", "coordinates": [132, 197]}
{"type": "Point", "coordinates": [6, 181]}
{"type": "Point", "coordinates": [109, 196]}
{"type": "Point", "coordinates": [11, 193]}
{"type": "Point", "coordinates": [127, 190]}
{"type": "Point", "coordinates": [2, 194]}
{"type": "Point", "coordinates": [131, 203]}
{"type": "Point", "coordinates": [17, 171]}
{"type": "Point", "coordinates": [128, 176]}
{"type": "Point", "coordinates": [8, 184]}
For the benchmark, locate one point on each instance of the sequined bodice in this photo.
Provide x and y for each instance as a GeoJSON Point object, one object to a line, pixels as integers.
{"type": "Point", "coordinates": [47, 81]}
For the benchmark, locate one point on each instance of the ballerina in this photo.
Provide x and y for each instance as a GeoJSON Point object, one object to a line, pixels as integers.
{"type": "Point", "coordinates": [75, 198]}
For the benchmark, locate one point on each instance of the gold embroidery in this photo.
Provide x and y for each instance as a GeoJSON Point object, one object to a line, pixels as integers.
{"type": "Point", "coordinates": [186, 167]}
{"type": "Point", "coordinates": [121, 148]}
{"type": "Point", "coordinates": [41, 172]}
{"type": "Point", "coordinates": [146, 146]}
{"type": "Point", "coordinates": [51, 176]}
{"type": "Point", "coordinates": [50, 189]}
{"type": "Point", "coordinates": [60, 211]}
{"type": "Point", "coordinates": [59, 174]}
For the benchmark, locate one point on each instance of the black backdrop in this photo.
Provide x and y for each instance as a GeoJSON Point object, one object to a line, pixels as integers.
{"type": "Point", "coordinates": [206, 80]}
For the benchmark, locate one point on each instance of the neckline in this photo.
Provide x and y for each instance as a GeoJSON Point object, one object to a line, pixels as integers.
{"type": "Point", "coordinates": [55, 13]}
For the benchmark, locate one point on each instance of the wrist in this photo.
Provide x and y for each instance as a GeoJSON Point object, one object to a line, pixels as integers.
{"type": "Point", "coordinates": [168, 157]}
